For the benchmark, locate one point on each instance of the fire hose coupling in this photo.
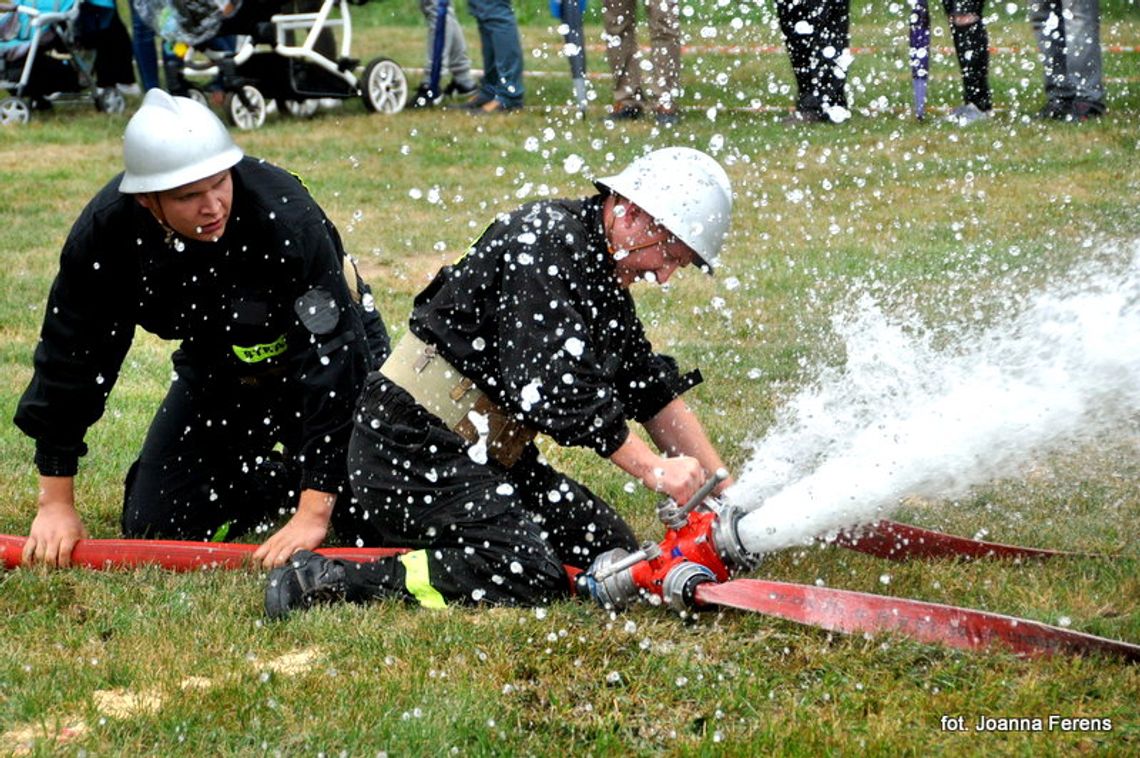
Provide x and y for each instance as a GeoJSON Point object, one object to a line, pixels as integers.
{"type": "Point", "coordinates": [680, 585]}
{"type": "Point", "coordinates": [726, 539]}
{"type": "Point", "coordinates": [700, 544]}
{"type": "Point", "coordinates": [610, 578]}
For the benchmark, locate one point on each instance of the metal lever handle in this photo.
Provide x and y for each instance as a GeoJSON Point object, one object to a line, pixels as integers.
{"type": "Point", "coordinates": [706, 489]}
{"type": "Point", "coordinates": [647, 552]}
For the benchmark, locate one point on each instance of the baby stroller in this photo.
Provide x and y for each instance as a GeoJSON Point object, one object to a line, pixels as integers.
{"type": "Point", "coordinates": [292, 59]}
{"type": "Point", "coordinates": [41, 63]}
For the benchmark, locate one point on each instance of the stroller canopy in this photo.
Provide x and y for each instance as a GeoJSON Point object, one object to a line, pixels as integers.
{"type": "Point", "coordinates": [17, 29]}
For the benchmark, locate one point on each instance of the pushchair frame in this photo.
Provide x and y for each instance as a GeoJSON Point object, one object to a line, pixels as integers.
{"type": "Point", "coordinates": [262, 70]}
{"type": "Point", "coordinates": [16, 108]}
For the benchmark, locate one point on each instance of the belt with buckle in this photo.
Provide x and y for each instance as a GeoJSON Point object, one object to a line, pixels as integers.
{"type": "Point", "coordinates": [439, 387]}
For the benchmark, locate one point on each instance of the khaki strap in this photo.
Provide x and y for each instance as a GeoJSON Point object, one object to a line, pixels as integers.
{"type": "Point", "coordinates": [440, 388]}
{"type": "Point", "coordinates": [352, 279]}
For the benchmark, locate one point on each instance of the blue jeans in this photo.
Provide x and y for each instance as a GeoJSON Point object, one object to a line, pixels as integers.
{"type": "Point", "coordinates": [142, 45]}
{"type": "Point", "coordinates": [1068, 38]}
{"type": "Point", "coordinates": [502, 51]}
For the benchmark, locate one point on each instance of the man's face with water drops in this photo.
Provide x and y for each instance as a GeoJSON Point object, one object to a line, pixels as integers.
{"type": "Point", "coordinates": [199, 210]}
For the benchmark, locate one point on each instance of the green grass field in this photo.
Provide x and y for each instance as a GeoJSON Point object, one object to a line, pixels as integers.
{"type": "Point", "coordinates": [958, 226]}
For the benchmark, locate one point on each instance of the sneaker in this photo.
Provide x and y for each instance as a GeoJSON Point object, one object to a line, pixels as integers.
{"type": "Point", "coordinates": [458, 89]}
{"type": "Point", "coordinates": [420, 98]}
{"type": "Point", "coordinates": [1083, 110]}
{"type": "Point", "coordinates": [495, 107]}
{"type": "Point", "coordinates": [476, 102]}
{"type": "Point", "coordinates": [627, 111]}
{"type": "Point", "coordinates": [306, 580]}
{"type": "Point", "coordinates": [967, 114]}
{"type": "Point", "coordinates": [1054, 110]}
{"type": "Point", "coordinates": [130, 90]}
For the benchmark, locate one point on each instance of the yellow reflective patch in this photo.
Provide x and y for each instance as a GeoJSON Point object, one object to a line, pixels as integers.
{"type": "Point", "coordinates": [257, 353]}
{"type": "Point", "coordinates": [418, 582]}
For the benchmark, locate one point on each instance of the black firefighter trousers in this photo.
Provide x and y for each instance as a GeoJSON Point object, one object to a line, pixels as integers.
{"type": "Point", "coordinates": [213, 460]}
{"type": "Point", "coordinates": [478, 532]}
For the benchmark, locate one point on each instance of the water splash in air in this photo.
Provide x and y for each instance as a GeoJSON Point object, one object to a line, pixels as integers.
{"type": "Point", "coordinates": [906, 416]}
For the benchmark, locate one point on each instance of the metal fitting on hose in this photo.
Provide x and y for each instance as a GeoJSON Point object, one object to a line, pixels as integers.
{"type": "Point", "coordinates": [609, 585]}
{"type": "Point", "coordinates": [726, 539]}
{"type": "Point", "coordinates": [681, 583]}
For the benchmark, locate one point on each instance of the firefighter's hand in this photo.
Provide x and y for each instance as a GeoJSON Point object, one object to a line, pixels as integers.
{"type": "Point", "coordinates": [55, 530]}
{"type": "Point", "coordinates": [305, 531]}
{"type": "Point", "coordinates": [678, 477]}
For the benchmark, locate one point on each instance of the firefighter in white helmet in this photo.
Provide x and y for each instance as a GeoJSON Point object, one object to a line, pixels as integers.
{"type": "Point", "coordinates": [233, 258]}
{"type": "Point", "coordinates": [532, 331]}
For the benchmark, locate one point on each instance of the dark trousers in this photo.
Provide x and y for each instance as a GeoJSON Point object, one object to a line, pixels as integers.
{"type": "Point", "coordinates": [490, 534]}
{"type": "Point", "coordinates": [972, 46]}
{"type": "Point", "coordinates": [209, 460]}
{"type": "Point", "coordinates": [101, 30]}
{"type": "Point", "coordinates": [816, 33]}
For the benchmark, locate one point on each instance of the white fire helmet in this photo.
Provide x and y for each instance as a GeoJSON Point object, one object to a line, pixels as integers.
{"type": "Point", "coordinates": [172, 141]}
{"type": "Point", "coordinates": [686, 191]}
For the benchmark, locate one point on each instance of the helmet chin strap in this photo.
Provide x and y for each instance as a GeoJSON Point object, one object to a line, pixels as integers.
{"type": "Point", "coordinates": [618, 252]}
{"type": "Point", "coordinates": [154, 205]}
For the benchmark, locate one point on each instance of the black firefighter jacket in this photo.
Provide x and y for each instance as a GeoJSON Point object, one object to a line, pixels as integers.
{"type": "Point", "coordinates": [269, 301]}
{"type": "Point", "coordinates": [534, 316]}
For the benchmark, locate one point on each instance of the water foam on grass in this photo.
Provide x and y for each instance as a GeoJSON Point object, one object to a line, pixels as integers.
{"type": "Point", "coordinates": [909, 416]}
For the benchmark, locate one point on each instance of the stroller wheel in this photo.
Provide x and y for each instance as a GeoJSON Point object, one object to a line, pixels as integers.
{"type": "Point", "coordinates": [14, 111]}
{"type": "Point", "coordinates": [198, 96]}
{"type": "Point", "coordinates": [384, 86]}
{"type": "Point", "coordinates": [298, 108]}
{"type": "Point", "coordinates": [110, 100]}
{"type": "Point", "coordinates": [245, 108]}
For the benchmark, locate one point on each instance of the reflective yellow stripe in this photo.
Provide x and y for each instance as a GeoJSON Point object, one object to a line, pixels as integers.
{"type": "Point", "coordinates": [473, 243]}
{"type": "Point", "coordinates": [418, 582]}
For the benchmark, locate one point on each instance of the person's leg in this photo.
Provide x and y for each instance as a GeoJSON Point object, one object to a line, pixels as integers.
{"type": "Point", "coordinates": [486, 44]}
{"type": "Point", "coordinates": [455, 56]}
{"type": "Point", "coordinates": [92, 22]}
{"type": "Point", "coordinates": [206, 463]}
{"type": "Point", "coordinates": [115, 51]}
{"type": "Point", "coordinates": [972, 46]}
{"type": "Point", "coordinates": [502, 51]}
{"type": "Point", "coordinates": [664, 82]}
{"type": "Point", "coordinates": [429, 9]}
{"type": "Point", "coordinates": [579, 525]}
{"type": "Point", "coordinates": [415, 486]}
{"type": "Point", "coordinates": [142, 45]}
{"type": "Point", "coordinates": [1048, 22]}
{"type": "Point", "coordinates": [619, 18]}
{"type": "Point", "coordinates": [1083, 55]}
{"type": "Point", "coordinates": [797, 23]}
{"type": "Point", "coordinates": [832, 42]}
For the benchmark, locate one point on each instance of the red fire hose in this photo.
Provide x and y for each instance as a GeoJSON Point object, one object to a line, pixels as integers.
{"type": "Point", "coordinates": [174, 554]}
{"type": "Point", "coordinates": [861, 612]}
{"type": "Point", "coordinates": [902, 542]}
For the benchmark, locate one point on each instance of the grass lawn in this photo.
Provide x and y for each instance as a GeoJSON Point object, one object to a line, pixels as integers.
{"type": "Point", "coordinates": [949, 231]}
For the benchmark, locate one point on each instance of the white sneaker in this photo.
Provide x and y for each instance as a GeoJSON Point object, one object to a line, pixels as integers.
{"type": "Point", "coordinates": [967, 114]}
{"type": "Point", "coordinates": [130, 90]}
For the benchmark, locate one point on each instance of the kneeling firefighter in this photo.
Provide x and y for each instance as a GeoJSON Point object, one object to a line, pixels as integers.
{"type": "Point", "coordinates": [234, 258]}
{"type": "Point", "coordinates": [533, 330]}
